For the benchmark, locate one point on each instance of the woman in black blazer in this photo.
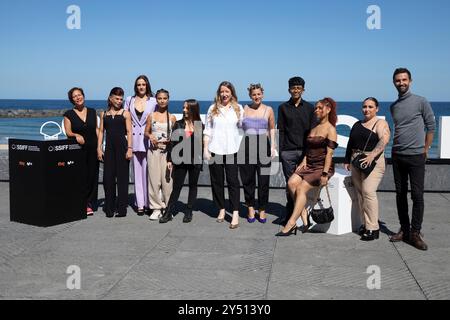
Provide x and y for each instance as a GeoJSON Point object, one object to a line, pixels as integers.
{"type": "Point", "coordinates": [185, 155]}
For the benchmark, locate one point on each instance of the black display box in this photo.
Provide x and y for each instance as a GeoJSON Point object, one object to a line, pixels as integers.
{"type": "Point", "coordinates": [47, 182]}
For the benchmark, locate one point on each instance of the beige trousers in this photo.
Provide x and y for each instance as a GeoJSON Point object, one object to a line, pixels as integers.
{"type": "Point", "coordinates": [366, 190]}
{"type": "Point", "coordinates": [159, 179]}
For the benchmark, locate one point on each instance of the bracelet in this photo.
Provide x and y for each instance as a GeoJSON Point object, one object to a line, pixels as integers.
{"type": "Point", "coordinates": [324, 174]}
{"type": "Point", "coordinates": [130, 148]}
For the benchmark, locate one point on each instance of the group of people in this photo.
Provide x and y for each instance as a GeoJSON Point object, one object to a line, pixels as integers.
{"type": "Point", "coordinates": [241, 140]}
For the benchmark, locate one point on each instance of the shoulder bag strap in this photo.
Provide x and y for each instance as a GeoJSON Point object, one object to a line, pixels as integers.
{"type": "Point", "coordinates": [168, 125]}
{"type": "Point", "coordinates": [317, 198]}
{"type": "Point", "coordinates": [368, 139]}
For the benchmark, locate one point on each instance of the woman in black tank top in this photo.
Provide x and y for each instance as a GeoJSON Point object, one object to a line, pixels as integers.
{"type": "Point", "coordinates": [116, 123]}
{"type": "Point", "coordinates": [370, 136]}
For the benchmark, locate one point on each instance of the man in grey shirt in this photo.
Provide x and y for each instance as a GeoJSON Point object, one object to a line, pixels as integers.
{"type": "Point", "coordinates": [413, 135]}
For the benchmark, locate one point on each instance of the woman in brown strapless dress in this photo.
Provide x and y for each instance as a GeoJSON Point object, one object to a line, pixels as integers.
{"type": "Point", "coordinates": [316, 153]}
{"type": "Point", "coordinates": [317, 167]}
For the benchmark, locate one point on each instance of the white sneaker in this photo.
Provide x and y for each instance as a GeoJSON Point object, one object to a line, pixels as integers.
{"type": "Point", "coordinates": [155, 215]}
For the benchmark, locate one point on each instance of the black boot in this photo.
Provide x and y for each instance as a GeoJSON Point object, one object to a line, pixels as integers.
{"type": "Point", "coordinates": [370, 235]}
{"type": "Point", "coordinates": [167, 216]}
{"type": "Point", "coordinates": [188, 216]}
{"type": "Point", "coordinates": [361, 230]}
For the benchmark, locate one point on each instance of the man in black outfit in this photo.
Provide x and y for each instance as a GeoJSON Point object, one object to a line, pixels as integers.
{"type": "Point", "coordinates": [295, 119]}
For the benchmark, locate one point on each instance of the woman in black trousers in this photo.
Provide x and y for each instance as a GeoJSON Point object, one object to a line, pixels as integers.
{"type": "Point", "coordinates": [80, 123]}
{"type": "Point", "coordinates": [259, 147]}
{"type": "Point", "coordinates": [185, 155]}
{"type": "Point", "coordinates": [116, 122]}
{"type": "Point", "coordinates": [221, 145]}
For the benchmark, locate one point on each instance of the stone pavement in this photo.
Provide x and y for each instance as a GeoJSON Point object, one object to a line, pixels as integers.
{"type": "Point", "coordinates": [134, 258]}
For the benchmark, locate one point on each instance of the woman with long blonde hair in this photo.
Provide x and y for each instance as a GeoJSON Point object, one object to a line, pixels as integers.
{"type": "Point", "coordinates": [221, 145]}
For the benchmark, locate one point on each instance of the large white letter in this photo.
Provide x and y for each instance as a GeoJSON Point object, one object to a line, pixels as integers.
{"type": "Point", "coordinates": [74, 20]}
{"type": "Point", "coordinates": [374, 21]}
{"type": "Point", "coordinates": [374, 281]}
{"type": "Point", "coordinates": [74, 280]}
{"type": "Point", "coordinates": [444, 138]}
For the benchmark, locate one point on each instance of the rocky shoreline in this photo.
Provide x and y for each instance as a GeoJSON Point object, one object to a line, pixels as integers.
{"type": "Point", "coordinates": [31, 113]}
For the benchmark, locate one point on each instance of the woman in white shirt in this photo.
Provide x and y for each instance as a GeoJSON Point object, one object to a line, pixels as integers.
{"type": "Point", "coordinates": [221, 145]}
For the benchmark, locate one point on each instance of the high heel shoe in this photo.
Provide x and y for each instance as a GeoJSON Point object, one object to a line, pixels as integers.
{"type": "Point", "coordinates": [249, 218]}
{"type": "Point", "coordinates": [220, 220]}
{"type": "Point", "coordinates": [261, 220]}
{"type": "Point", "coordinates": [308, 226]}
{"type": "Point", "coordinates": [293, 230]}
{"type": "Point", "coordinates": [235, 218]}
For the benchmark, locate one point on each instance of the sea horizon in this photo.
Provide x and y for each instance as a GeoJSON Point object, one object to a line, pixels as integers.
{"type": "Point", "coordinates": [29, 128]}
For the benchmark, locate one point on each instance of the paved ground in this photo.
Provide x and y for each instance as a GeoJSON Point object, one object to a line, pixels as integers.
{"type": "Point", "coordinates": [134, 258]}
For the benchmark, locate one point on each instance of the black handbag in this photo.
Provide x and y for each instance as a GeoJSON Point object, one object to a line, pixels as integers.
{"type": "Point", "coordinates": [360, 155]}
{"type": "Point", "coordinates": [322, 215]}
{"type": "Point", "coordinates": [364, 168]}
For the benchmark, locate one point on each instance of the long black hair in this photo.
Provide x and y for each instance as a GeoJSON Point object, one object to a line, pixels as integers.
{"type": "Point", "coordinates": [194, 109]}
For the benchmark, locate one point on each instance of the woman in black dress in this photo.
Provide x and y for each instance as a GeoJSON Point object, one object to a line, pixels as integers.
{"type": "Point", "coordinates": [80, 123]}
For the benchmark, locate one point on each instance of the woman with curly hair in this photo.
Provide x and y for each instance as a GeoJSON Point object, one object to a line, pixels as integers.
{"type": "Point", "coordinates": [317, 167]}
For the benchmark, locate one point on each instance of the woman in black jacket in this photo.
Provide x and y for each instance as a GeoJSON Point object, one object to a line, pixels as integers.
{"type": "Point", "coordinates": [185, 155]}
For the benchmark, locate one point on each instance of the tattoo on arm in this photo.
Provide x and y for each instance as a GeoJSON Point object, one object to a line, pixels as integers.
{"type": "Point", "coordinates": [384, 140]}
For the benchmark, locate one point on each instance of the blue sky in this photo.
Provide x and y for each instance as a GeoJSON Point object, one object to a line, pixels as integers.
{"type": "Point", "coordinates": [189, 47]}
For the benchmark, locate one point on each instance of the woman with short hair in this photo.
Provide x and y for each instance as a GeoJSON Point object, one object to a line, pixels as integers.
{"type": "Point", "coordinates": [259, 147]}
{"type": "Point", "coordinates": [80, 123]}
{"type": "Point", "coordinates": [115, 124]}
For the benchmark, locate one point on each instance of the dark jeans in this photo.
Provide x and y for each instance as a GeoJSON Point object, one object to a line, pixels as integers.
{"type": "Point", "coordinates": [289, 161]}
{"type": "Point", "coordinates": [414, 168]}
{"type": "Point", "coordinates": [179, 175]}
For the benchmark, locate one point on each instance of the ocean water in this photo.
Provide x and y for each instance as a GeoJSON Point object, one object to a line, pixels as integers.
{"type": "Point", "coordinates": [29, 128]}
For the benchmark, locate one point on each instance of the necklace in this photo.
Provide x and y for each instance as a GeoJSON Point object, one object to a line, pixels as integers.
{"type": "Point", "coordinates": [115, 113]}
